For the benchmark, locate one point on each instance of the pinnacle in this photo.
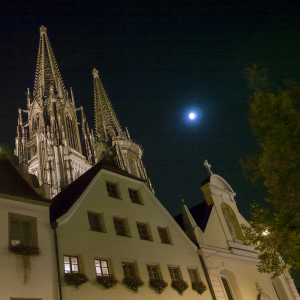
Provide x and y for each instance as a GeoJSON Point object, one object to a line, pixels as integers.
{"type": "Point", "coordinates": [95, 73]}
{"type": "Point", "coordinates": [47, 75]}
{"type": "Point", "coordinates": [43, 30]}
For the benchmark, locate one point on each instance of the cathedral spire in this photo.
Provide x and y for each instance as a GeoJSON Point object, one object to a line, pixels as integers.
{"type": "Point", "coordinates": [106, 122]}
{"type": "Point", "coordinates": [127, 154]}
{"type": "Point", "coordinates": [50, 139]}
{"type": "Point", "coordinates": [47, 72]}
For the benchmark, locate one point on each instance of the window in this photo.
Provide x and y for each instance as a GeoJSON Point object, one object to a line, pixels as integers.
{"type": "Point", "coordinates": [120, 226]}
{"type": "Point", "coordinates": [112, 190]}
{"type": "Point", "coordinates": [227, 288]}
{"type": "Point", "coordinates": [163, 234]}
{"type": "Point", "coordinates": [71, 264]}
{"type": "Point", "coordinates": [174, 273]}
{"type": "Point", "coordinates": [193, 275]}
{"type": "Point", "coordinates": [143, 231]}
{"type": "Point", "coordinates": [153, 272]}
{"type": "Point", "coordinates": [102, 267]}
{"type": "Point", "coordinates": [128, 269]}
{"type": "Point", "coordinates": [22, 229]}
{"type": "Point", "coordinates": [134, 196]}
{"type": "Point", "coordinates": [95, 222]}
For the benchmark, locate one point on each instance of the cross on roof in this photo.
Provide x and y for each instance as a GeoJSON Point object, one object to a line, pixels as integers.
{"type": "Point", "coordinates": [208, 166]}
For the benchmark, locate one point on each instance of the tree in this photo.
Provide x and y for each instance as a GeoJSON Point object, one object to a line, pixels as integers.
{"type": "Point", "coordinates": [275, 121]}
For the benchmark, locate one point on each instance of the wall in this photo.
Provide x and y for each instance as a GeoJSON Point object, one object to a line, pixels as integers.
{"type": "Point", "coordinates": [74, 237]}
{"type": "Point", "coordinates": [43, 283]}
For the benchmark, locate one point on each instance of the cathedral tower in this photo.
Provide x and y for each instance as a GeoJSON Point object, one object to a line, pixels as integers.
{"type": "Point", "coordinates": [50, 140]}
{"type": "Point", "coordinates": [110, 136]}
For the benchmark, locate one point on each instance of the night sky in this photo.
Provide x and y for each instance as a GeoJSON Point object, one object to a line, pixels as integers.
{"type": "Point", "coordinates": [158, 60]}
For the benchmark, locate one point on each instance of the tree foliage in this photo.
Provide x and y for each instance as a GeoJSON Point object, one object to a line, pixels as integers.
{"type": "Point", "coordinates": [275, 121]}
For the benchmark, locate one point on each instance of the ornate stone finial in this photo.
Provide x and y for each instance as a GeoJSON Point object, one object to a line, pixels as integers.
{"type": "Point", "coordinates": [258, 287]}
{"type": "Point", "coordinates": [127, 133]}
{"type": "Point", "coordinates": [208, 166]}
{"type": "Point", "coordinates": [43, 30]}
{"type": "Point", "coordinates": [95, 73]}
{"type": "Point", "coordinates": [28, 97]}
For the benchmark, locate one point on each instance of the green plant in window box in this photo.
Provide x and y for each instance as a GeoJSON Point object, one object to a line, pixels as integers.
{"type": "Point", "coordinates": [158, 285]}
{"type": "Point", "coordinates": [133, 283]}
{"type": "Point", "coordinates": [199, 287]}
{"type": "Point", "coordinates": [107, 281]}
{"type": "Point", "coordinates": [179, 286]}
{"type": "Point", "coordinates": [76, 279]}
{"type": "Point", "coordinates": [24, 249]}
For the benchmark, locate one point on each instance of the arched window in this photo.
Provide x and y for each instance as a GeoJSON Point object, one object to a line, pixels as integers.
{"type": "Point", "coordinates": [35, 123]}
{"type": "Point", "coordinates": [227, 288]}
{"type": "Point", "coordinates": [70, 131]}
{"type": "Point", "coordinates": [232, 222]}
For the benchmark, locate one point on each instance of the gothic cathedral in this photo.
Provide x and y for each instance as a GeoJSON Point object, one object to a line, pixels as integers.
{"type": "Point", "coordinates": [53, 144]}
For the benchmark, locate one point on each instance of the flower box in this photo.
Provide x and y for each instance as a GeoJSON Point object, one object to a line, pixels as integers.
{"type": "Point", "coordinates": [158, 285]}
{"type": "Point", "coordinates": [107, 281]}
{"type": "Point", "coordinates": [179, 286]}
{"type": "Point", "coordinates": [133, 283]}
{"type": "Point", "coordinates": [76, 279]}
{"type": "Point", "coordinates": [24, 249]}
{"type": "Point", "coordinates": [199, 287]}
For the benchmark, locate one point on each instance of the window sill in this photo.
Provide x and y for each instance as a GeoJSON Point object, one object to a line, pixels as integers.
{"type": "Point", "coordinates": [115, 197]}
{"type": "Point", "coordinates": [167, 243]}
{"type": "Point", "coordinates": [124, 235]}
{"type": "Point", "coordinates": [98, 231]}
{"type": "Point", "coordinates": [146, 240]}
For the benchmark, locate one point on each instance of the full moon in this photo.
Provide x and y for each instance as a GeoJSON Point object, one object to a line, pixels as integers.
{"type": "Point", "coordinates": [192, 116]}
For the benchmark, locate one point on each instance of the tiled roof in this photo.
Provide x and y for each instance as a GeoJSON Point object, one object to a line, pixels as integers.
{"type": "Point", "coordinates": [200, 213]}
{"type": "Point", "coordinates": [12, 182]}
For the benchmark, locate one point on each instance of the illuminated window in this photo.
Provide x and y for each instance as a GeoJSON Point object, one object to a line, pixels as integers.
{"type": "Point", "coordinates": [22, 229]}
{"type": "Point", "coordinates": [227, 288]}
{"type": "Point", "coordinates": [134, 196]}
{"type": "Point", "coordinates": [163, 233]}
{"type": "Point", "coordinates": [193, 275]}
{"type": "Point", "coordinates": [95, 222]}
{"type": "Point", "coordinates": [112, 190]}
{"type": "Point", "coordinates": [101, 267]}
{"type": "Point", "coordinates": [71, 264]}
{"type": "Point", "coordinates": [174, 273]}
{"type": "Point", "coordinates": [153, 272]}
{"type": "Point", "coordinates": [143, 231]}
{"type": "Point", "coordinates": [128, 269]}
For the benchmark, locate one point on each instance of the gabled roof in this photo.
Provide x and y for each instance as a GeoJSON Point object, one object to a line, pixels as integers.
{"type": "Point", "coordinates": [200, 213]}
{"type": "Point", "coordinates": [12, 182]}
{"type": "Point", "coordinates": [67, 197]}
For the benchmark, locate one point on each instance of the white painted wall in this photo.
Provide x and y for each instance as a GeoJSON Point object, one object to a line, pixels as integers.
{"type": "Point", "coordinates": [75, 238]}
{"type": "Point", "coordinates": [43, 283]}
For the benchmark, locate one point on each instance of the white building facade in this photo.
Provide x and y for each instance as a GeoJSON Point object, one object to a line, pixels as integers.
{"type": "Point", "coordinates": [214, 225]}
{"type": "Point", "coordinates": [118, 223]}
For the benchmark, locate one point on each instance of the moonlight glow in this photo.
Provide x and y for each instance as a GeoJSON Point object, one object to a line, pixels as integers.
{"type": "Point", "coordinates": [192, 116]}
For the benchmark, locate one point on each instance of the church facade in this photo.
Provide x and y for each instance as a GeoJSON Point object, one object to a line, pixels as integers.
{"type": "Point", "coordinates": [215, 227]}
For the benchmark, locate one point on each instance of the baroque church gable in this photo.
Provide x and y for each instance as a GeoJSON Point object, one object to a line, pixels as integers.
{"type": "Point", "coordinates": [222, 250]}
